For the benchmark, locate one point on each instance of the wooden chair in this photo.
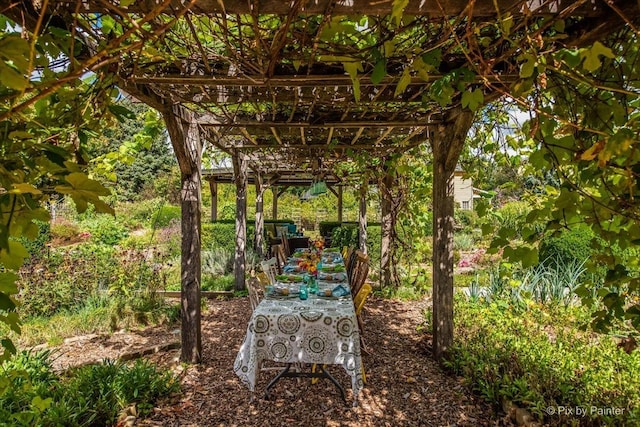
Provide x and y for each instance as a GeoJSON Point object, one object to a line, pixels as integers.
{"type": "Point", "coordinates": [346, 255]}
{"type": "Point", "coordinates": [270, 269]}
{"type": "Point", "coordinates": [277, 251]}
{"type": "Point", "coordinates": [263, 278]}
{"type": "Point", "coordinates": [282, 233]}
{"type": "Point", "coordinates": [350, 262]}
{"type": "Point", "coordinates": [359, 272]}
{"type": "Point", "coordinates": [255, 291]}
{"type": "Point", "coordinates": [358, 303]}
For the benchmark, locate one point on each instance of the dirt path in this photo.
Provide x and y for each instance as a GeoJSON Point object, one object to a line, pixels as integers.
{"type": "Point", "coordinates": [404, 387]}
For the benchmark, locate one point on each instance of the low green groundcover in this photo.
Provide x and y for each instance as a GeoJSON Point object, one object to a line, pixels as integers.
{"type": "Point", "coordinates": [31, 393]}
{"type": "Point", "coordinates": [539, 358]}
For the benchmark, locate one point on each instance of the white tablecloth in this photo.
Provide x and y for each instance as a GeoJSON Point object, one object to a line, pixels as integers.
{"type": "Point", "coordinates": [322, 331]}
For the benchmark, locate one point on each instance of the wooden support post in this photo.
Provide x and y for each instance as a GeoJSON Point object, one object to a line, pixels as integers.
{"type": "Point", "coordinates": [259, 228]}
{"type": "Point", "coordinates": [340, 190]}
{"type": "Point", "coordinates": [185, 138]}
{"type": "Point", "coordinates": [213, 186]}
{"type": "Point", "coordinates": [240, 179]}
{"type": "Point", "coordinates": [386, 229]}
{"type": "Point", "coordinates": [362, 219]}
{"type": "Point", "coordinates": [447, 143]}
{"type": "Point", "coordinates": [274, 208]}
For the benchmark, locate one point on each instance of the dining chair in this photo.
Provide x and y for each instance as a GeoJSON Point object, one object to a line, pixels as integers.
{"type": "Point", "coordinates": [270, 268]}
{"type": "Point", "coordinates": [277, 251]}
{"type": "Point", "coordinates": [346, 255]}
{"type": "Point", "coordinates": [285, 245]}
{"type": "Point", "coordinates": [263, 278]}
{"type": "Point", "coordinates": [350, 263]}
{"type": "Point", "coordinates": [255, 291]}
{"type": "Point", "coordinates": [358, 303]}
{"type": "Point", "coordinates": [359, 273]}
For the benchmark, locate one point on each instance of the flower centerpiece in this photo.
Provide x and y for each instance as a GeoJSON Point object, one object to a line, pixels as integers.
{"type": "Point", "coordinates": [317, 244]}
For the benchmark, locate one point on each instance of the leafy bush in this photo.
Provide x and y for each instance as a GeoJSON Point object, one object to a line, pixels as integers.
{"type": "Point", "coordinates": [222, 234]}
{"type": "Point", "coordinates": [465, 219]}
{"type": "Point", "coordinates": [344, 236]}
{"type": "Point", "coordinates": [217, 262]}
{"type": "Point", "coordinates": [32, 394]}
{"type": "Point", "coordinates": [463, 242]}
{"type": "Point", "coordinates": [105, 229]}
{"type": "Point", "coordinates": [141, 213]}
{"type": "Point", "coordinates": [542, 359]}
{"type": "Point", "coordinates": [165, 215]}
{"type": "Point", "coordinates": [36, 246]}
{"type": "Point", "coordinates": [65, 278]}
{"type": "Point", "coordinates": [513, 216]}
{"type": "Point", "coordinates": [64, 230]}
{"type": "Point", "coordinates": [218, 283]}
{"type": "Point", "coordinates": [569, 246]}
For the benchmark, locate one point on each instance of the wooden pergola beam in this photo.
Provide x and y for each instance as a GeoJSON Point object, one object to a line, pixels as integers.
{"type": "Point", "coordinates": [323, 125]}
{"type": "Point", "coordinates": [479, 8]}
{"type": "Point", "coordinates": [294, 81]}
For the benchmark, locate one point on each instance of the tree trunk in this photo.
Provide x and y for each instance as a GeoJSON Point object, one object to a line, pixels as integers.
{"type": "Point", "coordinates": [259, 228]}
{"type": "Point", "coordinates": [340, 191]}
{"type": "Point", "coordinates": [386, 230]}
{"type": "Point", "coordinates": [362, 219]}
{"type": "Point", "coordinates": [185, 139]}
{"type": "Point", "coordinates": [447, 143]}
{"type": "Point", "coordinates": [274, 207]}
{"type": "Point", "coordinates": [213, 186]}
{"type": "Point", "coordinates": [240, 178]}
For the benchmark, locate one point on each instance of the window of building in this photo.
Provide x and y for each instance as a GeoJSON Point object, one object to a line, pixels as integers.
{"type": "Point", "coordinates": [465, 205]}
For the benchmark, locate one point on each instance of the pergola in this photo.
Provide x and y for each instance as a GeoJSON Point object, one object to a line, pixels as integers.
{"type": "Point", "coordinates": [281, 85]}
{"type": "Point", "coordinates": [279, 178]}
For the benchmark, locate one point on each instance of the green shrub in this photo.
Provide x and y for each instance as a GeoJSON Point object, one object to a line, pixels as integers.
{"type": "Point", "coordinates": [513, 216]}
{"type": "Point", "coordinates": [463, 242]}
{"type": "Point", "coordinates": [141, 213]}
{"type": "Point", "coordinates": [64, 230]}
{"type": "Point", "coordinates": [36, 246]}
{"type": "Point", "coordinates": [32, 394]}
{"type": "Point", "coordinates": [325, 228]}
{"type": "Point", "coordinates": [542, 359]}
{"type": "Point", "coordinates": [218, 283]}
{"type": "Point", "coordinates": [344, 236]}
{"type": "Point", "coordinates": [165, 215]}
{"type": "Point", "coordinates": [465, 219]}
{"type": "Point", "coordinates": [569, 246]}
{"type": "Point", "coordinates": [64, 279]}
{"type": "Point", "coordinates": [105, 229]}
{"type": "Point", "coordinates": [222, 234]}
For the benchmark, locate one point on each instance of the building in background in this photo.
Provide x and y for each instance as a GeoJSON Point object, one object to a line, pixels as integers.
{"type": "Point", "coordinates": [462, 190]}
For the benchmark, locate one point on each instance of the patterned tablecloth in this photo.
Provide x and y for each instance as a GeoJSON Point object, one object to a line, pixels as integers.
{"type": "Point", "coordinates": [323, 331]}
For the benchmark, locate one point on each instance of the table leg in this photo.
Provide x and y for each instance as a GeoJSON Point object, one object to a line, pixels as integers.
{"type": "Point", "coordinates": [322, 373]}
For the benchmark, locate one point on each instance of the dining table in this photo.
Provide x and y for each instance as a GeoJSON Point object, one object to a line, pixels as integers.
{"type": "Point", "coordinates": [317, 331]}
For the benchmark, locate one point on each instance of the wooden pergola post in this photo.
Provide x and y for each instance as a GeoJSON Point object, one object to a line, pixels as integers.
{"type": "Point", "coordinates": [259, 226]}
{"type": "Point", "coordinates": [386, 229]}
{"type": "Point", "coordinates": [274, 207]}
{"type": "Point", "coordinates": [213, 186]}
{"type": "Point", "coordinates": [362, 219]}
{"type": "Point", "coordinates": [240, 179]}
{"type": "Point", "coordinates": [338, 193]}
{"type": "Point", "coordinates": [185, 138]}
{"type": "Point", "coordinates": [447, 142]}
{"type": "Point", "coordinates": [340, 209]}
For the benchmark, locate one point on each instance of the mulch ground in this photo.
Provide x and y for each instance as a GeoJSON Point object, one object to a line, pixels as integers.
{"type": "Point", "coordinates": [404, 386]}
